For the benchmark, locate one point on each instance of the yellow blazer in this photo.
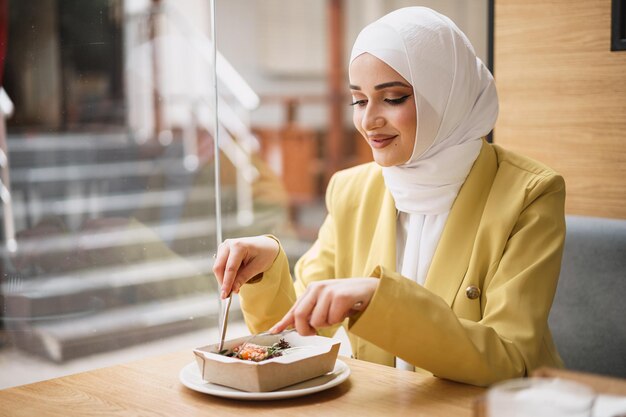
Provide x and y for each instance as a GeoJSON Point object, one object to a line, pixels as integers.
{"type": "Point", "coordinates": [504, 236]}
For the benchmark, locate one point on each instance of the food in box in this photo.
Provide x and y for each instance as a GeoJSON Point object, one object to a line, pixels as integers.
{"type": "Point", "coordinates": [308, 357]}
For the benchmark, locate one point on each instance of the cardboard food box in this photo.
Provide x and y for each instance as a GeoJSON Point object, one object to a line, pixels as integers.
{"type": "Point", "coordinates": [311, 357]}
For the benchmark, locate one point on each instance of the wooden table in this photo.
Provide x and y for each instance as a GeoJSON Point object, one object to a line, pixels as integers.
{"type": "Point", "coordinates": [602, 385]}
{"type": "Point", "coordinates": [151, 387]}
{"type": "Point", "coordinates": [599, 383]}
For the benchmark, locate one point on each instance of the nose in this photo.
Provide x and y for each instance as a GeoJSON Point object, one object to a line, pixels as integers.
{"type": "Point", "coordinates": [372, 118]}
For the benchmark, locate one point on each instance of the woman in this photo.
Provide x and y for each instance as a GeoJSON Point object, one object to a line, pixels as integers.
{"type": "Point", "coordinates": [448, 248]}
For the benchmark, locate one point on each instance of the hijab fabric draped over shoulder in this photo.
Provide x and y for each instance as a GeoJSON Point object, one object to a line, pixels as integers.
{"type": "Point", "coordinates": [455, 97]}
{"type": "Point", "coordinates": [457, 104]}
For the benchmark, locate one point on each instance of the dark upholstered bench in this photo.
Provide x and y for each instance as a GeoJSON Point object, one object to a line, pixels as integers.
{"type": "Point", "coordinates": [588, 317]}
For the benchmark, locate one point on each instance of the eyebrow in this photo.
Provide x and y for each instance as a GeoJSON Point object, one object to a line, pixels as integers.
{"type": "Point", "coordinates": [383, 85]}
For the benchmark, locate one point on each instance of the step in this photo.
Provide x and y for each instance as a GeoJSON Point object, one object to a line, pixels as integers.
{"type": "Point", "coordinates": [113, 329]}
{"type": "Point", "coordinates": [85, 292]}
{"type": "Point", "coordinates": [82, 172]}
{"type": "Point", "coordinates": [70, 164]}
{"type": "Point", "coordinates": [125, 266]}
{"type": "Point", "coordinates": [69, 148]}
{"type": "Point", "coordinates": [121, 204]}
{"type": "Point", "coordinates": [68, 141]}
{"type": "Point", "coordinates": [137, 233]}
{"type": "Point", "coordinates": [81, 292]}
{"type": "Point", "coordinates": [64, 337]}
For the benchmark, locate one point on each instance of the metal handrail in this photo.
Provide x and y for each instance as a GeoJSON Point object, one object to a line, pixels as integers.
{"type": "Point", "coordinates": [236, 139]}
{"type": "Point", "coordinates": [240, 156]}
{"type": "Point", "coordinates": [6, 110]}
{"type": "Point", "coordinates": [236, 142]}
{"type": "Point", "coordinates": [225, 72]}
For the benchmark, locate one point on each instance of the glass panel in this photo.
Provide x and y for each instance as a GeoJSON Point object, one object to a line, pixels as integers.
{"type": "Point", "coordinates": [111, 196]}
{"type": "Point", "coordinates": [109, 205]}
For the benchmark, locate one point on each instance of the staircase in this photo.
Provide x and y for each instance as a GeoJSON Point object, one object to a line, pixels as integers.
{"type": "Point", "coordinates": [115, 234]}
{"type": "Point", "coordinates": [114, 243]}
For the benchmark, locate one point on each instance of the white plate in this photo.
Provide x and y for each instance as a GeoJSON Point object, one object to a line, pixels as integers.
{"type": "Point", "coordinates": [190, 377]}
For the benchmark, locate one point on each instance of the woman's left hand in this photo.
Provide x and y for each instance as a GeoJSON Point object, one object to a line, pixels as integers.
{"type": "Point", "coordinates": [326, 303]}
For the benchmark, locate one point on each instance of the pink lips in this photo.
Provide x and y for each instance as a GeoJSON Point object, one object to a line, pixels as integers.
{"type": "Point", "coordinates": [380, 141]}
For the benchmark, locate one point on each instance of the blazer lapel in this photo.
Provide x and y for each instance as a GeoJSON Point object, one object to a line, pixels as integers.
{"type": "Point", "coordinates": [452, 256]}
{"type": "Point", "coordinates": [383, 248]}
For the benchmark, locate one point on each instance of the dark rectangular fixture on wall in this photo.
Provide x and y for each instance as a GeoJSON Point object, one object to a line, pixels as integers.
{"type": "Point", "coordinates": [618, 25]}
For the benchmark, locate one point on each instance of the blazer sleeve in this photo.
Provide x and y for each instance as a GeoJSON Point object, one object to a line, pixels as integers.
{"type": "Point", "coordinates": [265, 302]}
{"type": "Point", "coordinates": [418, 326]}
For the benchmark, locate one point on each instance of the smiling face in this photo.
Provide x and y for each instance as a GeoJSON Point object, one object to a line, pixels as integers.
{"type": "Point", "coordinates": [384, 110]}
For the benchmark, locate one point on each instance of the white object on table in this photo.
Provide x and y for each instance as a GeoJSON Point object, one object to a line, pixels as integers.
{"type": "Point", "coordinates": [540, 397]}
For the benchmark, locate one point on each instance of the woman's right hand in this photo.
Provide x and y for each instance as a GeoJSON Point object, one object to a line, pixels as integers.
{"type": "Point", "coordinates": [239, 260]}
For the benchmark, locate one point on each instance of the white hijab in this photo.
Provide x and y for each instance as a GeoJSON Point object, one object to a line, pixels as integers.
{"type": "Point", "coordinates": [456, 104]}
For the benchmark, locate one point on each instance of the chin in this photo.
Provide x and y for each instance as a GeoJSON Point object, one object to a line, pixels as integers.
{"type": "Point", "coordinates": [387, 162]}
{"type": "Point", "coordinates": [383, 164]}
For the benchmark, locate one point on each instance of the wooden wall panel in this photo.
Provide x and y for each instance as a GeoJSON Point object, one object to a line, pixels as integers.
{"type": "Point", "coordinates": [563, 96]}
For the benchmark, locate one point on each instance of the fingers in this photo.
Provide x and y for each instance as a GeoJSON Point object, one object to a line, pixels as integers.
{"type": "Point", "coordinates": [319, 315]}
{"type": "Point", "coordinates": [220, 262]}
{"type": "Point", "coordinates": [285, 322]}
{"type": "Point", "coordinates": [302, 314]}
{"type": "Point", "coordinates": [357, 308]}
{"type": "Point", "coordinates": [238, 260]}
{"type": "Point", "coordinates": [230, 256]}
{"type": "Point", "coordinates": [308, 313]}
{"type": "Point", "coordinates": [339, 309]}
{"type": "Point", "coordinates": [236, 257]}
{"type": "Point", "coordinates": [245, 273]}
{"type": "Point", "coordinates": [326, 303]}
{"type": "Point", "coordinates": [298, 316]}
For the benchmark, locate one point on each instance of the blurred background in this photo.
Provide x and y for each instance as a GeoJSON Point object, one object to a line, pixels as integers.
{"type": "Point", "coordinates": [108, 161]}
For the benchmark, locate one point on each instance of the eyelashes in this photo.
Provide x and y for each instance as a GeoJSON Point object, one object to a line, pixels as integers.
{"type": "Point", "coordinates": [357, 103]}
{"type": "Point", "coordinates": [391, 101]}
{"type": "Point", "coordinates": [396, 101]}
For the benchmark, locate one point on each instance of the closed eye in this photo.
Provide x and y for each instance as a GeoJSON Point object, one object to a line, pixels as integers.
{"type": "Point", "coordinates": [359, 103]}
{"type": "Point", "coordinates": [396, 101]}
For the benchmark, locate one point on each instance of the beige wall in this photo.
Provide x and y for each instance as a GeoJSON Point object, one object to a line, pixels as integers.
{"type": "Point", "coordinates": [563, 96]}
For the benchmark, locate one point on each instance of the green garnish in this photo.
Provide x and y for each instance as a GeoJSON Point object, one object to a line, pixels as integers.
{"type": "Point", "coordinates": [257, 353]}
